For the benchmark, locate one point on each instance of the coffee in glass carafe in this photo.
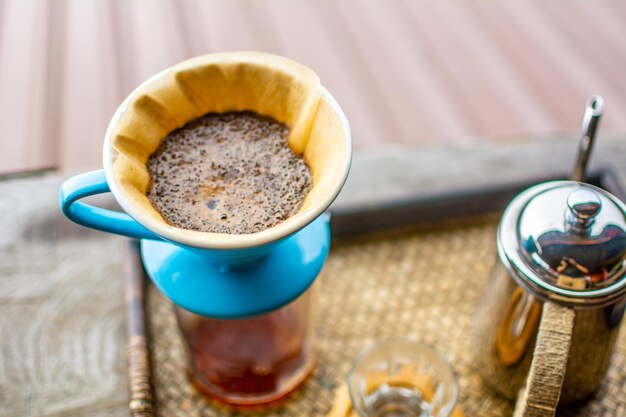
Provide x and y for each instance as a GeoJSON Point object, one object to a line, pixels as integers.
{"type": "Point", "coordinates": [257, 359]}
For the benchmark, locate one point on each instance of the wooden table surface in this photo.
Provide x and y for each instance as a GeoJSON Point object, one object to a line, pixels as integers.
{"type": "Point", "coordinates": [408, 72]}
{"type": "Point", "coordinates": [61, 309]}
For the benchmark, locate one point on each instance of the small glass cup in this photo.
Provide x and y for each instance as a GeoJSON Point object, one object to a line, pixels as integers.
{"type": "Point", "coordinates": [402, 378]}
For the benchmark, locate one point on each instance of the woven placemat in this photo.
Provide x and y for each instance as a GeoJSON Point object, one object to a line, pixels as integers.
{"type": "Point", "coordinates": [424, 286]}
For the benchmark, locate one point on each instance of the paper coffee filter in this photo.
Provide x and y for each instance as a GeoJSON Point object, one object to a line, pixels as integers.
{"type": "Point", "coordinates": [266, 84]}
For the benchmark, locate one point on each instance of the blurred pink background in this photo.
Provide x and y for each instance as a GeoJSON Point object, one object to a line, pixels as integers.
{"type": "Point", "coordinates": [418, 73]}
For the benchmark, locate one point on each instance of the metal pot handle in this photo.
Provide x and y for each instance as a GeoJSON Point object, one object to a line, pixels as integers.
{"type": "Point", "coordinates": [540, 396]}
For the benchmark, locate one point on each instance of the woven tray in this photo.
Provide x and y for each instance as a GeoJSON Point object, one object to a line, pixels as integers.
{"type": "Point", "coordinates": [424, 286]}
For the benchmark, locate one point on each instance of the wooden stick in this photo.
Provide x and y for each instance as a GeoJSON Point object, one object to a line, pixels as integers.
{"type": "Point", "coordinates": [141, 395]}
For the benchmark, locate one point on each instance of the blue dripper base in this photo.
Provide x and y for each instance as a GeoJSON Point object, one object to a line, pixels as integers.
{"type": "Point", "coordinates": [210, 288]}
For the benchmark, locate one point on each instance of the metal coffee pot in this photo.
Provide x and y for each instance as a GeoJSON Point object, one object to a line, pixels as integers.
{"type": "Point", "coordinates": [549, 319]}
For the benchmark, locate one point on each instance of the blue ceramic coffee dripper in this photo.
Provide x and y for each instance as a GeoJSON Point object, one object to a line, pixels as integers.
{"type": "Point", "coordinates": [219, 275]}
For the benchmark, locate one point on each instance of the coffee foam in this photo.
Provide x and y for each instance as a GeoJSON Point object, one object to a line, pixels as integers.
{"type": "Point", "coordinates": [266, 84]}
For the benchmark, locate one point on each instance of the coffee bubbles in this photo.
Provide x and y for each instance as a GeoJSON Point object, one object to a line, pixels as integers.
{"type": "Point", "coordinates": [227, 173]}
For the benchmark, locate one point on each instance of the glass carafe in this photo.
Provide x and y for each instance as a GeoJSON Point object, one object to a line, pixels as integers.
{"type": "Point", "coordinates": [251, 360]}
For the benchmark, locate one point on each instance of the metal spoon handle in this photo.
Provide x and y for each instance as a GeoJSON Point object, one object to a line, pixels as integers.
{"type": "Point", "coordinates": [591, 118]}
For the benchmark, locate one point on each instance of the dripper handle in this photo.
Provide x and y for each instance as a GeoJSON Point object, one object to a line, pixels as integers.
{"type": "Point", "coordinates": [92, 183]}
{"type": "Point", "coordinates": [542, 391]}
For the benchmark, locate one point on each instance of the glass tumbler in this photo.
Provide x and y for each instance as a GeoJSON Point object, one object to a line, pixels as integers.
{"type": "Point", "coordinates": [402, 378]}
{"type": "Point", "coordinates": [254, 360]}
